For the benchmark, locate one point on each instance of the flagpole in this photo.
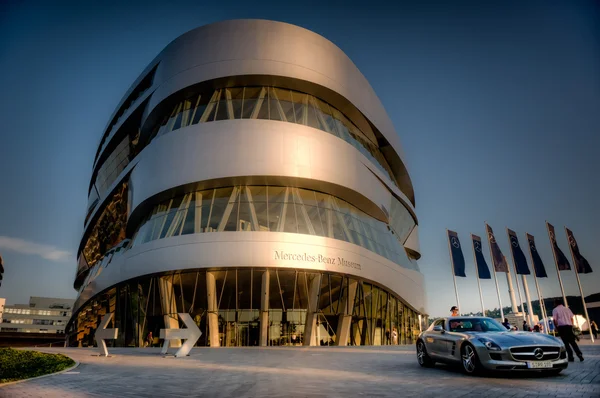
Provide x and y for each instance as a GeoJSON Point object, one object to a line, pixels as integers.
{"type": "Point", "coordinates": [537, 287]}
{"type": "Point", "coordinates": [518, 289]}
{"type": "Point", "coordinates": [511, 288]}
{"type": "Point", "coordinates": [498, 291]}
{"type": "Point", "coordinates": [478, 281]}
{"type": "Point", "coordinates": [528, 299]}
{"type": "Point", "coordinates": [453, 271]}
{"type": "Point", "coordinates": [562, 289]}
{"type": "Point", "coordinates": [580, 288]}
{"type": "Point", "coordinates": [495, 278]}
{"type": "Point", "coordinates": [512, 255]}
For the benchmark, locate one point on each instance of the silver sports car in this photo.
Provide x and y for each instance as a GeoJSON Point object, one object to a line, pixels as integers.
{"type": "Point", "coordinates": [480, 343]}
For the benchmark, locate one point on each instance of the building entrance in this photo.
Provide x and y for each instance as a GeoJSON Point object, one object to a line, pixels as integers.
{"type": "Point", "coordinates": [252, 307]}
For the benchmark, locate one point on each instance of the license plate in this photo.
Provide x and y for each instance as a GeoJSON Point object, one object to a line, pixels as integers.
{"type": "Point", "coordinates": [539, 365]}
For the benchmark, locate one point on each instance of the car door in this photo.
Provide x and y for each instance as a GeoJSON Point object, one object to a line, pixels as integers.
{"type": "Point", "coordinates": [451, 344]}
{"type": "Point", "coordinates": [443, 342]}
{"type": "Point", "coordinates": [452, 340]}
{"type": "Point", "coordinates": [434, 340]}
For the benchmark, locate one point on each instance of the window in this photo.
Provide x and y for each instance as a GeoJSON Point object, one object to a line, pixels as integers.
{"type": "Point", "coordinates": [273, 104]}
{"type": "Point", "coordinates": [108, 231]}
{"type": "Point", "coordinates": [112, 167]}
{"type": "Point", "coordinates": [140, 90]}
{"type": "Point", "coordinates": [439, 322]}
{"type": "Point", "coordinates": [378, 316]}
{"type": "Point", "coordinates": [272, 208]}
{"type": "Point", "coordinates": [476, 325]}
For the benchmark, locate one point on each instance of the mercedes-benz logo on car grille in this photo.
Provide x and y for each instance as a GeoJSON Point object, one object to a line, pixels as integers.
{"type": "Point", "coordinates": [538, 353]}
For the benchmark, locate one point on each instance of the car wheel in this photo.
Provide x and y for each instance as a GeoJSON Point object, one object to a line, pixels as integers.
{"type": "Point", "coordinates": [422, 357]}
{"type": "Point", "coordinates": [469, 358]}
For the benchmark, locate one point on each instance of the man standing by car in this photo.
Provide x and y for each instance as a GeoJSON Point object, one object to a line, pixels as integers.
{"type": "Point", "coordinates": [454, 311]}
{"type": "Point", "coordinates": [563, 320]}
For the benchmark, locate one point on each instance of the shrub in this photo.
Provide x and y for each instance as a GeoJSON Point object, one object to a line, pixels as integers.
{"type": "Point", "coordinates": [22, 364]}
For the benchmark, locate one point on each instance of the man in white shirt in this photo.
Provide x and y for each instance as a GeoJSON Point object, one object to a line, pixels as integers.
{"type": "Point", "coordinates": [563, 320]}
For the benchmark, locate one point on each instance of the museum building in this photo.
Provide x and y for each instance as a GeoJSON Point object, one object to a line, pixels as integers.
{"type": "Point", "coordinates": [250, 177]}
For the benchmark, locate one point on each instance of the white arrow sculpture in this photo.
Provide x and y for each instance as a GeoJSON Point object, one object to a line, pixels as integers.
{"type": "Point", "coordinates": [103, 333]}
{"type": "Point", "coordinates": [191, 335]}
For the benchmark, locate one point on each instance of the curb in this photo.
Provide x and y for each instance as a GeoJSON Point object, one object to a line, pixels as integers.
{"type": "Point", "coordinates": [42, 376]}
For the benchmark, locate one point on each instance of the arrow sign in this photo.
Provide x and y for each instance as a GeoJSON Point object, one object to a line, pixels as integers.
{"type": "Point", "coordinates": [191, 334]}
{"type": "Point", "coordinates": [103, 333]}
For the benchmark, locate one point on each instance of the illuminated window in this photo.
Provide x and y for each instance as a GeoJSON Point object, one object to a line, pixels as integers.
{"type": "Point", "coordinates": [280, 209]}
{"type": "Point", "coordinates": [273, 104]}
{"type": "Point", "coordinates": [108, 231]}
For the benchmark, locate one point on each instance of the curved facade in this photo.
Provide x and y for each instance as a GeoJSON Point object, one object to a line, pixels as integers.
{"type": "Point", "coordinates": [252, 178]}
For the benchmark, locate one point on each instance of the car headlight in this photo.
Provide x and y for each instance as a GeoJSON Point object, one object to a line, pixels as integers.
{"type": "Point", "coordinates": [489, 344]}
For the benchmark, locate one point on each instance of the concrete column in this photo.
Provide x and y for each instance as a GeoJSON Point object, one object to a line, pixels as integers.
{"type": "Point", "coordinates": [169, 306]}
{"type": "Point", "coordinates": [213, 311]}
{"type": "Point", "coordinates": [264, 310]}
{"type": "Point", "coordinates": [345, 318]}
{"type": "Point", "coordinates": [310, 325]}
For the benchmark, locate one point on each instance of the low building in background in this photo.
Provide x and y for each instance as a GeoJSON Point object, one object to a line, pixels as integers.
{"type": "Point", "coordinates": [41, 315]}
{"type": "Point", "coordinates": [42, 322]}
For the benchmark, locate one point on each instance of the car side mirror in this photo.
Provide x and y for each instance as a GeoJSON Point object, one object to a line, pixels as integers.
{"type": "Point", "coordinates": [438, 328]}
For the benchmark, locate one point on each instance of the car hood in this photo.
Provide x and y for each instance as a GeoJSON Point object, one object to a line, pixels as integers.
{"type": "Point", "coordinates": [512, 339]}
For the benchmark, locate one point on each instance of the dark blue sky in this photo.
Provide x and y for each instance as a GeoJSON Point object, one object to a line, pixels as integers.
{"type": "Point", "coordinates": [497, 107]}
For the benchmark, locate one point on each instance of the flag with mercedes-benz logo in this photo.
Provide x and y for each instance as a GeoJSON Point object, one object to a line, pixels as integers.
{"type": "Point", "coordinates": [456, 254]}
{"type": "Point", "coordinates": [482, 268]}
{"type": "Point", "coordinates": [538, 265]}
{"type": "Point", "coordinates": [561, 260]}
{"type": "Point", "coordinates": [581, 264]}
{"type": "Point", "coordinates": [519, 257]}
{"type": "Point", "coordinates": [498, 259]}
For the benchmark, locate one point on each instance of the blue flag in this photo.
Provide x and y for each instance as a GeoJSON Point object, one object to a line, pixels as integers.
{"type": "Point", "coordinates": [482, 268]}
{"type": "Point", "coordinates": [581, 264]}
{"type": "Point", "coordinates": [561, 260]}
{"type": "Point", "coordinates": [520, 260]}
{"type": "Point", "coordinates": [458, 260]}
{"type": "Point", "coordinates": [538, 265]}
{"type": "Point", "coordinates": [498, 260]}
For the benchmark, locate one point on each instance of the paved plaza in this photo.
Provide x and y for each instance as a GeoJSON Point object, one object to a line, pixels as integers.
{"type": "Point", "coordinates": [293, 372]}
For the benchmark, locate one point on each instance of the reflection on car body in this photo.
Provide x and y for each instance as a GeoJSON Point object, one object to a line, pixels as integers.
{"type": "Point", "coordinates": [481, 343]}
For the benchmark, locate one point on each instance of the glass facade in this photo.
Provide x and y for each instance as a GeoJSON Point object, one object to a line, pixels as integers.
{"type": "Point", "coordinates": [143, 86]}
{"type": "Point", "coordinates": [280, 209]}
{"type": "Point", "coordinates": [108, 231]}
{"type": "Point", "coordinates": [135, 211]}
{"type": "Point", "coordinates": [375, 315]}
{"type": "Point", "coordinates": [273, 104]}
{"type": "Point", "coordinates": [111, 169]}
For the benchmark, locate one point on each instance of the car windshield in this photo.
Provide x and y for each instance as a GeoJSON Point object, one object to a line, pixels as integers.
{"type": "Point", "coordinates": [475, 325]}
